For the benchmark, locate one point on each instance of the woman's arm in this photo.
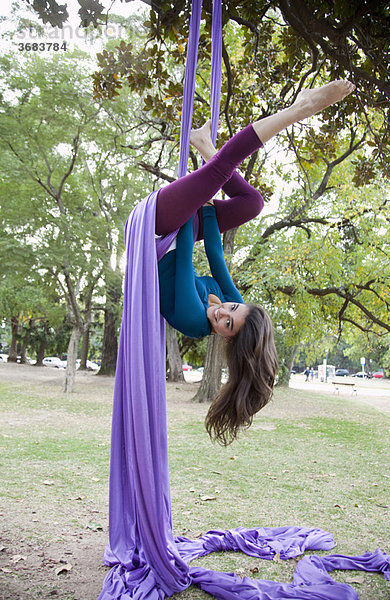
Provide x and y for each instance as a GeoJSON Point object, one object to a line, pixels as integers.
{"type": "Point", "coordinates": [190, 314]}
{"type": "Point", "coordinates": [214, 252]}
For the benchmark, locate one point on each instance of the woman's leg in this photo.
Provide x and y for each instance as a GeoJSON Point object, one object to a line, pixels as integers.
{"type": "Point", "coordinates": [178, 201]}
{"type": "Point", "coordinates": [307, 104]}
{"type": "Point", "coordinates": [244, 202]}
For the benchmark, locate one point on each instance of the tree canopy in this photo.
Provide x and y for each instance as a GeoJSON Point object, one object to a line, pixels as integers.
{"type": "Point", "coordinates": [320, 262]}
{"type": "Point", "coordinates": [64, 192]}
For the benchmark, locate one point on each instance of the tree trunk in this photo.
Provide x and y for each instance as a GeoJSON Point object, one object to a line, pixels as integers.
{"type": "Point", "coordinates": [23, 353]}
{"type": "Point", "coordinates": [110, 344]}
{"type": "Point", "coordinates": [110, 340]}
{"type": "Point", "coordinates": [71, 360]}
{"type": "Point", "coordinates": [175, 370]}
{"type": "Point", "coordinates": [25, 342]}
{"type": "Point", "coordinates": [40, 354]}
{"type": "Point", "coordinates": [285, 366]}
{"type": "Point", "coordinates": [13, 351]}
{"type": "Point", "coordinates": [292, 358]}
{"type": "Point", "coordinates": [87, 328]}
{"type": "Point", "coordinates": [212, 373]}
{"type": "Point", "coordinates": [84, 350]}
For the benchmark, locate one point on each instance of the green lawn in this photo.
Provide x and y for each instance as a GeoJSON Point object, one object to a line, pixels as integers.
{"type": "Point", "coordinates": [308, 460]}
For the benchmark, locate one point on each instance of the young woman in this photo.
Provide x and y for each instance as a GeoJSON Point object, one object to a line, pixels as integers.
{"type": "Point", "coordinates": [198, 306]}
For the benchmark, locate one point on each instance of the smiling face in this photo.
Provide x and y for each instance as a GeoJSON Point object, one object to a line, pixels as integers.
{"type": "Point", "coordinates": [227, 319]}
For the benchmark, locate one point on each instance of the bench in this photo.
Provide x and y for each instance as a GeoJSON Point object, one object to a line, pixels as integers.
{"type": "Point", "coordinates": [346, 383]}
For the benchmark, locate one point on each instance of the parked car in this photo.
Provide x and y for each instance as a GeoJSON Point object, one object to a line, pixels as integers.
{"type": "Point", "coordinates": [91, 366]}
{"type": "Point", "coordinates": [29, 361]}
{"type": "Point", "coordinates": [3, 357]}
{"type": "Point", "coordinates": [378, 374]}
{"type": "Point", "coordinates": [187, 368]}
{"type": "Point", "coordinates": [54, 361]}
{"type": "Point", "coordinates": [342, 372]}
{"type": "Point", "coordinates": [363, 374]}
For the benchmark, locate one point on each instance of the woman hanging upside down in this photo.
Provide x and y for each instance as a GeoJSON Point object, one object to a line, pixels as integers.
{"type": "Point", "coordinates": [198, 306]}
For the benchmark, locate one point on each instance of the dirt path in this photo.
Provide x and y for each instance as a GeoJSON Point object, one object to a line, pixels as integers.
{"type": "Point", "coordinates": [373, 392]}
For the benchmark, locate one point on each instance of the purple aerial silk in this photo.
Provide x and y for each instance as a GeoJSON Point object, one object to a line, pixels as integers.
{"type": "Point", "coordinates": [147, 561]}
{"type": "Point", "coordinates": [189, 86]}
{"type": "Point", "coordinates": [216, 68]}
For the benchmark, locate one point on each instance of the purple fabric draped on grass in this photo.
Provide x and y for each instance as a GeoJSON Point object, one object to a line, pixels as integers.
{"type": "Point", "coordinates": [147, 561]}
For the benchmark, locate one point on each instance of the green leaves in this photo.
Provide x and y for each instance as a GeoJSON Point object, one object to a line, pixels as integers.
{"type": "Point", "coordinates": [64, 190]}
{"type": "Point", "coordinates": [50, 11]}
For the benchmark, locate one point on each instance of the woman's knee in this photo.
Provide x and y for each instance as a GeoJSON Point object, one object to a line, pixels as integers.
{"type": "Point", "coordinates": [239, 209]}
{"type": "Point", "coordinates": [252, 204]}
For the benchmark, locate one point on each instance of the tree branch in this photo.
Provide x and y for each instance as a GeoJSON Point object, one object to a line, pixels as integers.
{"type": "Point", "coordinates": [302, 19]}
{"type": "Point", "coordinates": [75, 148]}
{"type": "Point", "coordinates": [287, 223]}
{"type": "Point", "coordinates": [364, 329]}
{"type": "Point", "coordinates": [155, 171]}
{"type": "Point", "coordinates": [344, 293]}
{"type": "Point", "coordinates": [331, 165]}
{"type": "Point", "coordinates": [229, 77]}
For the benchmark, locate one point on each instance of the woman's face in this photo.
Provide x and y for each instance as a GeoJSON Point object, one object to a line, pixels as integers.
{"type": "Point", "coordinates": [227, 319]}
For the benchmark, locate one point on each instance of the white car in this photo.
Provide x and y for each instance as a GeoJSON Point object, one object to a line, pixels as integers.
{"type": "Point", "coordinates": [91, 366]}
{"type": "Point", "coordinates": [54, 361]}
{"type": "Point", "coordinates": [3, 357]}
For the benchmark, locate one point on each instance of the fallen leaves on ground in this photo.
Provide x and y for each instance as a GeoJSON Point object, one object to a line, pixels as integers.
{"type": "Point", "coordinates": [17, 558]}
{"type": "Point", "coordinates": [278, 559]}
{"type": "Point", "coordinates": [94, 526]}
{"type": "Point", "coordinates": [355, 579]}
{"type": "Point", "coordinates": [64, 569]}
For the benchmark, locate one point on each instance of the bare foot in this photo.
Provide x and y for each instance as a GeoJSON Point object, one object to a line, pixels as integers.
{"type": "Point", "coordinates": [313, 101]}
{"type": "Point", "coordinates": [201, 140]}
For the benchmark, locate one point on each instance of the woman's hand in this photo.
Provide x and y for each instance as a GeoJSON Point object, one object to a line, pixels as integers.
{"type": "Point", "coordinates": [213, 299]}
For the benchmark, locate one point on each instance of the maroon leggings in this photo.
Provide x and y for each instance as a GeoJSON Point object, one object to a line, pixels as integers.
{"type": "Point", "coordinates": [181, 199]}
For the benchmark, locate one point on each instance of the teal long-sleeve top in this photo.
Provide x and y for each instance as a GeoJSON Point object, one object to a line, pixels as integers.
{"type": "Point", "coordinates": [184, 295]}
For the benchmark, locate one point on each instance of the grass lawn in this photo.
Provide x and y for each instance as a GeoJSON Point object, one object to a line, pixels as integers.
{"type": "Point", "coordinates": [309, 460]}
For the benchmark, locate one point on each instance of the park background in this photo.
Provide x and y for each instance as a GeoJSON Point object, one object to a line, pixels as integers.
{"type": "Point", "coordinates": [89, 124]}
{"type": "Point", "coordinates": [87, 131]}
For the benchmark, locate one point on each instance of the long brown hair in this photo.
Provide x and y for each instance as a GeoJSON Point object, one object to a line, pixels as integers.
{"type": "Point", "coordinates": [253, 365]}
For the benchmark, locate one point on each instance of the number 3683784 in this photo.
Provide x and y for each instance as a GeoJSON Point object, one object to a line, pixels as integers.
{"type": "Point", "coordinates": [41, 46]}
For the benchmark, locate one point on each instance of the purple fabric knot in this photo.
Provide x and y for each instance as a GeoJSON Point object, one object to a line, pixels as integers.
{"type": "Point", "coordinates": [218, 541]}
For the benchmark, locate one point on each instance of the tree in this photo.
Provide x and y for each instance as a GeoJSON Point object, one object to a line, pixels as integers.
{"type": "Point", "coordinates": [329, 146]}
{"type": "Point", "coordinates": [175, 370]}
{"type": "Point", "coordinates": [69, 177]}
{"type": "Point", "coordinates": [271, 51]}
{"type": "Point", "coordinates": [27, 301]}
